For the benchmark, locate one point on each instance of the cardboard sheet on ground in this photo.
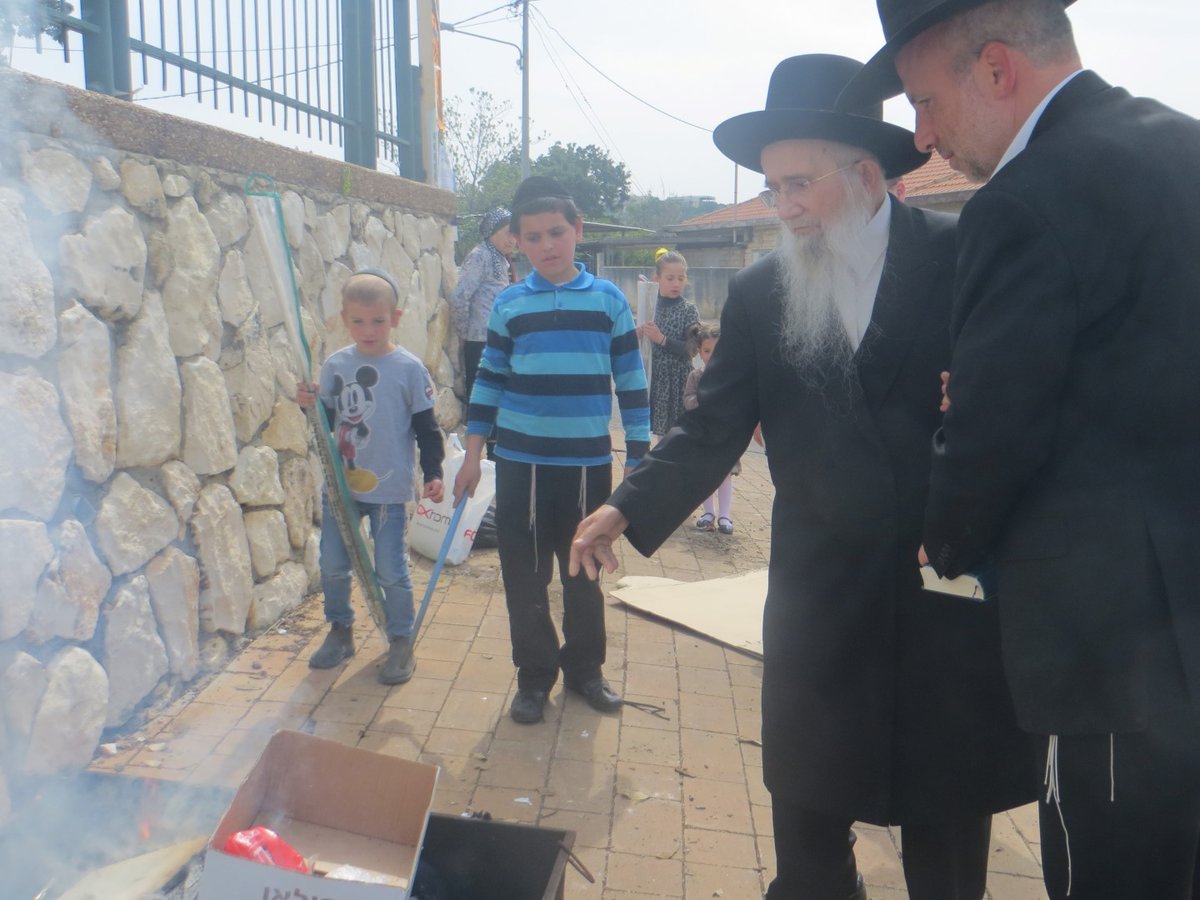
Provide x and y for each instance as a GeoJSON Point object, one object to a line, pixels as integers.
{"type": "Point", "coordinates": [727, 609]}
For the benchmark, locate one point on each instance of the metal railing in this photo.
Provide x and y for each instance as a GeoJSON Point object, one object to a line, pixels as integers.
{"type": "Point", "coordinates": [335, 71]}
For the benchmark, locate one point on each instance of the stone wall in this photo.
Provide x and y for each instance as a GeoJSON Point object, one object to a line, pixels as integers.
{"type": "Point", "coordinates": [158, 498]}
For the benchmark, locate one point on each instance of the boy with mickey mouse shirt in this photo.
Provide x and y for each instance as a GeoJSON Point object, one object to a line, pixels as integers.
{"type": "Point", "coordinates": [379, 399]}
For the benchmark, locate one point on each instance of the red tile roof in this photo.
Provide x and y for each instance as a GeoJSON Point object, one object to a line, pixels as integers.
{"type": "Point", "coordinates": [932, 179]}
{"type": "Point", "coordinates": [936, 177]}
{"type": "Point", "coordinates": [752, 211]}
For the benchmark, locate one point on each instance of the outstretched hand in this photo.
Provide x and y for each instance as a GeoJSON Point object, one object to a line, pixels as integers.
{"type": "Point", "coordinates": [592, 547]}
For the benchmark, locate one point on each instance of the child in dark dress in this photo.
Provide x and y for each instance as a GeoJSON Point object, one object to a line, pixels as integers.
{"type": "Point", "coordinates": [671, 356]}
{"type": "Point", "coordinates": [704, 338]}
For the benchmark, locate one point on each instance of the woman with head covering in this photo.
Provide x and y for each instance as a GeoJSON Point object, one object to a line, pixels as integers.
{"type": "Point", "coordinates": [485, 272]}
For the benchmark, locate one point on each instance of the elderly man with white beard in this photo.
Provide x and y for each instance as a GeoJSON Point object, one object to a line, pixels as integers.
{"type": "Point", "coordinates": [881, 702]}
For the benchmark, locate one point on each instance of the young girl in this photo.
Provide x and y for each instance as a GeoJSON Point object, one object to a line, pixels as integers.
{"type": "Point", "coordinates": [704, 339]}
{"type": "Point", "coordinates": [671, 357]}
{"type": "Point", "coordinates": [487, 270]}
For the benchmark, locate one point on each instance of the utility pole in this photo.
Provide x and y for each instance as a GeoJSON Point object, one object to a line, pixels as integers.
{"type": "Point", "coordinates": [430, 61]}
{"type": "Point", "coordinates": [522, 64]}
{"type": "Point", "coordinates": [524, 89]}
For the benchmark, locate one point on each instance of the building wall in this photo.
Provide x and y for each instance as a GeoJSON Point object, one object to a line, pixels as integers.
{"type": "Point", "coordinates": [707, 287]}
{"type": "Point", "coordinates": [158, 497]}
{"type": "Point", "coordinates": [766, 238]}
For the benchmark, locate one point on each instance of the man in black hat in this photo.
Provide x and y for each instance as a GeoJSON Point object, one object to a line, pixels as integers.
{"type": "Point", "coordinates": [881, 702]}
{"type": "Point", "coordinates": [1070, 454]}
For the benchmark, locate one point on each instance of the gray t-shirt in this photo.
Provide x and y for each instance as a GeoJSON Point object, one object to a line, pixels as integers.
{"type": "Point", "coordinates": [374, 399]}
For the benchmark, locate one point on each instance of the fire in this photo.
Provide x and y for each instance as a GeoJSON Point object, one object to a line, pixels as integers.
{"type": "Point", "coordinates": [150, 809]}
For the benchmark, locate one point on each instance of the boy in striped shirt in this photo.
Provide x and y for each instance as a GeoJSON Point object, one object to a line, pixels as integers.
{"type": "Point", "coordinates": [557, 343]}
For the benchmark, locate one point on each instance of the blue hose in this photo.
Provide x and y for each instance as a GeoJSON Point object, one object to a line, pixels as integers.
{"type": "Point", "coordinates": [451, 531]}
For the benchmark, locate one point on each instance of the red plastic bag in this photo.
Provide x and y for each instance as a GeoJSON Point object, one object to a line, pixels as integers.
{"type": "Point", "coordinates": [265, 846]}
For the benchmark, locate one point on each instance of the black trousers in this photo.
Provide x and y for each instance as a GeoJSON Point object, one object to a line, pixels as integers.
{"type": "Point", "coordinates": [1130, 807]}
{"type": "Point", "coordinates": [472, 353]}
{"type": "Point", "coordinates": [814, 855]}
{"type": "Point", "coordinates": [527, 553]}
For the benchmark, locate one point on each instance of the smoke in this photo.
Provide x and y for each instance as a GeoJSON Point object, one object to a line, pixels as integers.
{"type": "Point", "coordinates": [54, 177]}
{"type": "Point", "coordinates": [70, 827]}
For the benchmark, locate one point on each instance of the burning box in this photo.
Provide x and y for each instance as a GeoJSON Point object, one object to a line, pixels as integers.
{"type": "Point", "coordinates": [339, 807]}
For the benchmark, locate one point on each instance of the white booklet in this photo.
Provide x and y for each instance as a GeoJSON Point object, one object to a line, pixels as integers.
{"type": "Point", "coordinates": [963, 586]}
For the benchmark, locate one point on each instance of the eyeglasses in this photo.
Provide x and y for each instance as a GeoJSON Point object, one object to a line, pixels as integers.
{"type": "Point", "coordinates": [795, 188]}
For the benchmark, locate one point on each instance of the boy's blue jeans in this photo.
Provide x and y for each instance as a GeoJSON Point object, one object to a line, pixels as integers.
{"type": "Point", "coordinates": [388, 523]}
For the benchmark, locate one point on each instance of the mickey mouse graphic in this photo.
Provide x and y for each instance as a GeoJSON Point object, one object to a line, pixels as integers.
{"type": "Point", "coordinates": [355, 404]}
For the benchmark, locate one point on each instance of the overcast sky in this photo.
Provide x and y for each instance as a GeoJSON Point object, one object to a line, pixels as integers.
{"type": "Point", "coordinates": [703, 61]}
{"type": "Point", "coordinates": [706, 60]}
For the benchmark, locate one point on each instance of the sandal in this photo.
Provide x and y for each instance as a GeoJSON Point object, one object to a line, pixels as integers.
{"type": "Point", "coordinates": [705, 522]}
{"type": "Point", "coordinates": [725, 525]}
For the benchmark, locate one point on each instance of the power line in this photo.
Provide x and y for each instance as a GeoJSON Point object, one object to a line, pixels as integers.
{"type": "Point", "coordinates": [567, 84]}
{"type": "Point", "coordinates": [615, 84]}
{"type": "Point", "coordinates": [485, 22]}
{"type": "Point", "coordinates": [484, 13]}
{"type": "Point", "coordinates": [593, 117]}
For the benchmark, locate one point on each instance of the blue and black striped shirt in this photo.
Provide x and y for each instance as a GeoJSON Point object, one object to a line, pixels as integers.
{"type": "Point", "coordinates": [546, 379]}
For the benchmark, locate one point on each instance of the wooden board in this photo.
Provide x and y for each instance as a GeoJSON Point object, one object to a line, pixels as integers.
{"type": "Point", "coordinates": [134, 878]}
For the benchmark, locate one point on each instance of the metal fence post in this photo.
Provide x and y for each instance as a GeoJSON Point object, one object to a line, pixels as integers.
{"type": "Point", "coordinates": [106, 47]}
{"type": "Point", "coordinates": [414, 124]}
{"type": "Point", "coordinates": [358, 79]}
{"type": "Point", "coordinates": [406, 91]}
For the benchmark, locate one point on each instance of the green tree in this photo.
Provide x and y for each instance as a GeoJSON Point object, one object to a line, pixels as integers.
{"type": "Point", "coordinates": [648, 211]}
{"type": "Point", "coordinates": [481, 139]}
{"type": "Point", "coordinates": [598, 185]}
{"type": "Point", "coordinates": [500, 181]}
{"type": "Point", "coordinates": [30, 18]}
{"type": "Point", "coordinates": [495, 188]}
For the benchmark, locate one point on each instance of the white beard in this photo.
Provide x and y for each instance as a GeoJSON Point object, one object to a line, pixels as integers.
{"type": "Point", "coordinates": [816, 277]}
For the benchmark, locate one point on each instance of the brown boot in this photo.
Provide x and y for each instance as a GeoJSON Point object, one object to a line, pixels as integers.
{"type": "Point", "coordinates": [400, 663]}
{"type": "Point", "coordinates": [339, 645]}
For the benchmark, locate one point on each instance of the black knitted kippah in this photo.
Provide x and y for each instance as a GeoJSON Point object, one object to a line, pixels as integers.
{"type": "Point", "coordinates": [536, 187]}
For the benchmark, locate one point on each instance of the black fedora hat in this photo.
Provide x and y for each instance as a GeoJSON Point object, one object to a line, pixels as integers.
{"type": "Point", "coordinates": [902, 21]}
{"type": "Point", "coordinates": [800, 105]}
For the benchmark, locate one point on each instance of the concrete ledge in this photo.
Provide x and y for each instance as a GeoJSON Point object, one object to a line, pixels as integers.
{"type": "Point", "coordinates": [47, 107]}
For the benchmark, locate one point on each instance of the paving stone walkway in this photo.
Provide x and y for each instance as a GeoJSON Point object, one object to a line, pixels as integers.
{"type": "Point", "coordinates": [669, 806]}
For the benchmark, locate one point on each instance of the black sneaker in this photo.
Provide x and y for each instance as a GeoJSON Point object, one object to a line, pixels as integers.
{"type": "Point", "coordinates": [338, 646]}
{"type": "Point", "coordinates": [598, 694]}
{"type": "Point", "coordinates": [400, 663]}
{"type": "Point", "coordinates": [527, 706]}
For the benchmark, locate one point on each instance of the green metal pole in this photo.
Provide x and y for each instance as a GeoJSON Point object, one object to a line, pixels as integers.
{"type": "Point", "coordinates": [97, 47]}
{"type": "Point", "coordinates": [406, 121]}
{"type": "Point", "coordinates": [118, 37]}
{"type": "Point", "coordinates": [358, 80]}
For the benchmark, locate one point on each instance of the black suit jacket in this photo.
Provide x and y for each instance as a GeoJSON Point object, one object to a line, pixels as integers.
{"type": "Point", "coordinates": [1071, 451]}
{"type": "Point", "coordinates": [881, 702]}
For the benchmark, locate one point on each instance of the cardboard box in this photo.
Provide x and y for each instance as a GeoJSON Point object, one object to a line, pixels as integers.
{"type": "Point", "coordinates": [333, 803]}
{"type": "Point", "coordinates": [481, 858]}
